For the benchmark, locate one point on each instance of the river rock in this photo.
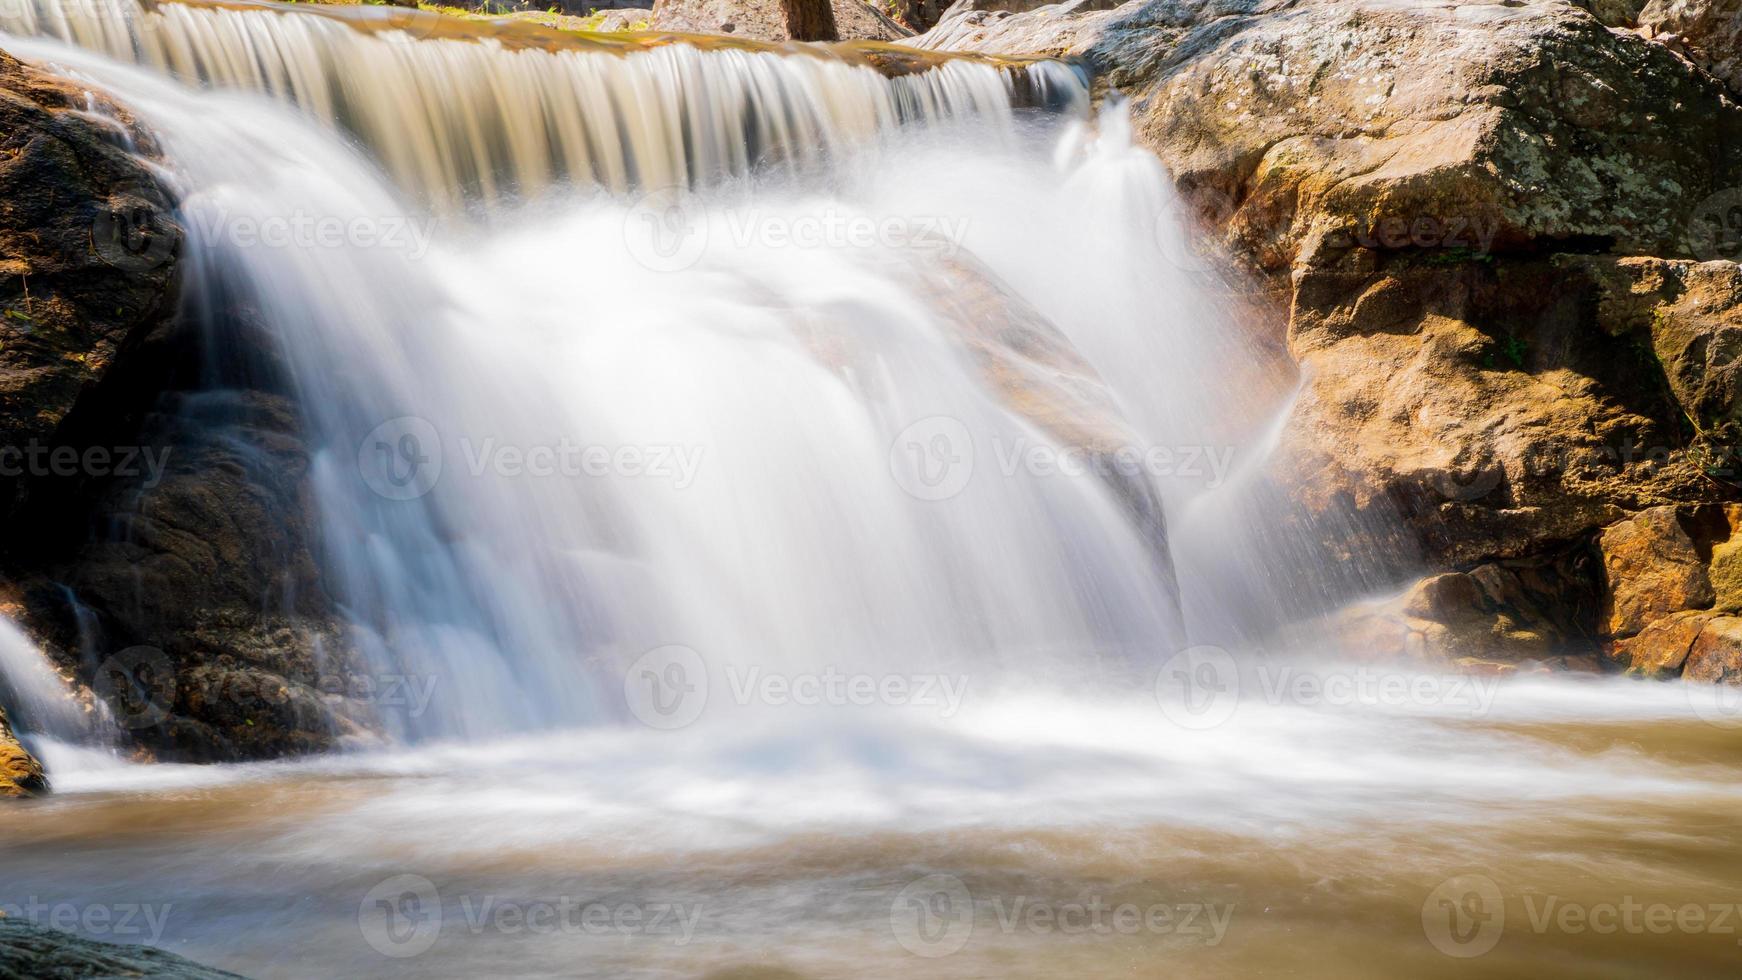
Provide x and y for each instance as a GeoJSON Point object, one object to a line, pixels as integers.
{"type": "Point", "coordinates": [1708, 31]}
{"type": "Point", "coordinates": [28, 950]}
{"type": "Point", "coordinates": [1499, 228]}
{"type": "Point", "coordinates": [20, 773]}
{"type": "Point", "coordinates": [763, 20]}
{"type": "Point", "coordinates": [160, 543]}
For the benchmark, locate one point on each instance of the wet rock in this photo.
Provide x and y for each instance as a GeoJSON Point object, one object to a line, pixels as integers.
{"type": "Point", "coordinates": [20, 773]}
{"type": "Point", "coordinates": [159, 525]}
{"type": "Point", "coordinates": [1497, 225]}
{"type": "Point", "coordinates": [86, 258]}
{"type": "Point", "coordinates": [33, 951]}
{"type": "Point", "coordinates": [1501, 613]}
{"type": "Point", "coordinates": [1716, 654]}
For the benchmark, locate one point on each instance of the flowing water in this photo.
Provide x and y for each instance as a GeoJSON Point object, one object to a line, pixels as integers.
{"type": "Point", "coordinates": [696, 442]}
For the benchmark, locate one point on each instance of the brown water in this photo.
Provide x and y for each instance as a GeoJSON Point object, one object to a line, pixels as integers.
{"type": "Point", "coordinates": [1555, 829]}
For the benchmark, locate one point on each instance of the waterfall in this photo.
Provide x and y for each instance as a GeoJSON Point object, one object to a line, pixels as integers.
{"type": "Point", "coordinates": [773, 378]}
{"type": "Point", "coordinates": [477, 120]}
{"type": "Point", "coordinates": [36, 700]}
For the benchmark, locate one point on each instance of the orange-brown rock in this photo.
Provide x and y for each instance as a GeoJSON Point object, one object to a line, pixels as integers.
{"type": "Point", "coordinates": [1653, 568]}
{"type": "Point", "coordinates": [20, 773]}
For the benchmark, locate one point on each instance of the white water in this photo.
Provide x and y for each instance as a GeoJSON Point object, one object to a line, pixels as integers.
{"type": "Point", "coordinates": [780, 380]}
{"type": "Point", "coordinates": [36, 699]}
{"type": "Point", "coordinates": [790, 377]}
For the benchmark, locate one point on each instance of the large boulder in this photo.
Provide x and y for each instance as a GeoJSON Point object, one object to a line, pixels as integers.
{"type": "Point", "coordinates": [1506, 233]}
{"type": "Point", "coordinates": [1709, 31]}
{"type": "Point", "coordinates": [159, 528]}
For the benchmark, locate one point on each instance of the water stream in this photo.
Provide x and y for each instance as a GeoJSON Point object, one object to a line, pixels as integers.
{"type": "Point", "coordinates": [697, 437]}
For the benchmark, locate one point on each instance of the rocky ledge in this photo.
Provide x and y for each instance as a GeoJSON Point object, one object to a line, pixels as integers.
{"type": "Point", "coordinates": [1499, 240]}
{"type": "Point", "coordinates": [126, 473]}
{"type": "Point", "coordinates": [30, 952]}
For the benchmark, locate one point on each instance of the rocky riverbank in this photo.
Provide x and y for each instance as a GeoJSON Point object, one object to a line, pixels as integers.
{"type": "Point", "coordinates": [28, 951]}
{"type": "Point", "coordinates": [1498, 238]}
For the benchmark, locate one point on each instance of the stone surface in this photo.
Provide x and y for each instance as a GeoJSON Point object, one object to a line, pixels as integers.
{"type": "Point", "coordinates": [1495, 223]}
{"type": "Point", "coordinates": [1661, 649]}
{"type": "Point", "coordinates": [1653, 567]}
{"type": "Point", "coordinates": [29, 951]}
{"type": "Point", "coordinates": [763, 20]}
{"type": "Point", "coordinates": [1709, 31]}
{"type": "Point", "coordinates": [1716, 654]}
{"type": "Point", "coordinates": [20, 773]}
{"type": "Point", "coordinates": [1531, 609]}
{"type": "Point", "coordinates": [85, 258]}
{"type": "Point", "coordinates": [172, 554]}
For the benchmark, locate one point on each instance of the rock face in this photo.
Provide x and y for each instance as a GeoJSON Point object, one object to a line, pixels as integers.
{"type": "Point", "coordinates": [1709, 31]}
{"type": "Point", "coordinates": [764, 20]}
{"type": "Point", "coordinates": [32, 951]}
{"type": "Point", "coordinates": [159, 529]}
{"type": "Point", "coordinates": [20, 773]}
{"type": "Point", "coordinates": [1506, 233]}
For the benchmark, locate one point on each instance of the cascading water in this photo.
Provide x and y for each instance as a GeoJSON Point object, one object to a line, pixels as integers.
{"type": "Point", "coordinates": [752, 391]}
{"type": "Point", "coordinates": [620, 364]}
